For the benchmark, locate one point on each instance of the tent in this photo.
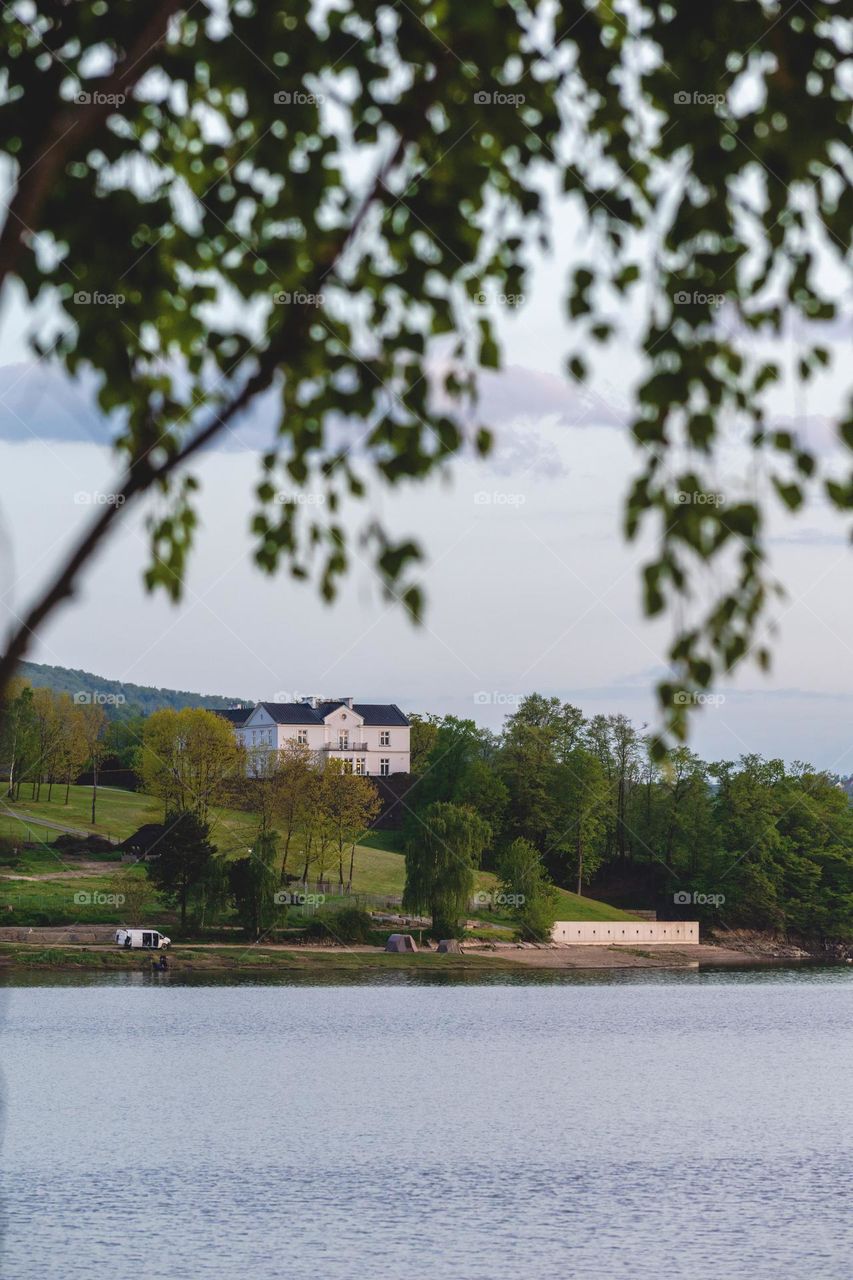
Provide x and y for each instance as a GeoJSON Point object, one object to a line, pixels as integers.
{"type": "Point", "coordinates": [401, 942]}
{"type": "Point", "coordinates": [449, 944]}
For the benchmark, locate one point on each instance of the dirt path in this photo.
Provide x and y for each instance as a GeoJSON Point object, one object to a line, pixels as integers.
{"type": "Point", "coordinates": [82, 871]}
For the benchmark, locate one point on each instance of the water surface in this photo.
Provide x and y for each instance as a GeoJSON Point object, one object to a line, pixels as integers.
{"type": "Point", "coordinates": [596, 1126]}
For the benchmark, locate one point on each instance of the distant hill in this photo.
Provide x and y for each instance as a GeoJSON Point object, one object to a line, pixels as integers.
{"type": "Point", "coordinates": [118, 699]}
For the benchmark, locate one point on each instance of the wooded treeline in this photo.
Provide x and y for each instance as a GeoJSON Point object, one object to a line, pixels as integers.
{"type": "Point", "coordinates": [745, 843]}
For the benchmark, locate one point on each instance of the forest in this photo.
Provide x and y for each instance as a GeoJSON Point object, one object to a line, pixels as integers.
{"type": "Point", "coordinates": [746, 843]}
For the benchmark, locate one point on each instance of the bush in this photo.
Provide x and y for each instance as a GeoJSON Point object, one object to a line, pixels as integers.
{"type": "Point", "coordinates": [9, 855]}
{"type": "Point", "coordinates": [351, 924]}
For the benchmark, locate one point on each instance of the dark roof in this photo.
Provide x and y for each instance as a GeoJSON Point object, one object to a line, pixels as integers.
{"type": "Point", "coordinates": [292, 712]}
{"type": "Point", "coordinates": [235, 715]}
{"type": "Point", "coordinates": [304, 713]}
{"type": "Point", "coordinates": [370, 712]}
{"type": "Point", "coordinates": [380, 713]}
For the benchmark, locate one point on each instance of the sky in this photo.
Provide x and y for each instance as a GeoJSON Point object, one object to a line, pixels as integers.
{"type": "Point", "coordinates": [529, 582]}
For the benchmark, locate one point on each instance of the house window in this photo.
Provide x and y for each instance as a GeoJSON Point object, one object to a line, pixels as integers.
{"type": "Point", "coordinates": [384, 767]}
{"type": "Point", "coordinates": [359, 764]}
{"type": "Point", "coordinates": [348, 764]}
{"type": "Point", "coordinates": [302, 737]}
{"type": "Point", "coordinates": [343, 739]}
{"type": "Point", "coordinates": [385, 738]}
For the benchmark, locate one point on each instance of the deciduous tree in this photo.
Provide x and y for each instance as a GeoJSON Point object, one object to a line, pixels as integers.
{"type": "Point", "coordinates": [188, 757]}
{"type": "Point", "coordinates": [443, 851]}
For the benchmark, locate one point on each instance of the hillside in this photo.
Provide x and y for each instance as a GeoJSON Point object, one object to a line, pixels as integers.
{"type": "Point", "coordinates": [118, 698]}
{"type": "Point", "coordinates": [379, 867]}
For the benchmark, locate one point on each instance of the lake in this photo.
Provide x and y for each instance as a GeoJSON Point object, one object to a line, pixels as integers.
{"type": "Point", "coordinates": [636, 1126]}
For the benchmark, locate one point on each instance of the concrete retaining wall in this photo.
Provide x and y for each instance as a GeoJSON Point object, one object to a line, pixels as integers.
{"type": "Point", "coordinates": [53, 935]}
{"type": "Point", "coordinates": [604, 933]}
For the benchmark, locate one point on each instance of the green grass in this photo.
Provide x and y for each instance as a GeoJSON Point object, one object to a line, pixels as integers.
{"type": "Point", "coordinates": [388, 840]}
{"type": "Point", "coordinates": [119, 813]}
{"type": "Point", "coordinates": [53, 901]}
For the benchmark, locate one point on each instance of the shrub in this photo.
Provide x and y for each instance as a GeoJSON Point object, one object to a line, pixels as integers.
{"type": "Point", "coordinates": [9, 855]}
{"type": "Point", "coordinates": [351, 924]}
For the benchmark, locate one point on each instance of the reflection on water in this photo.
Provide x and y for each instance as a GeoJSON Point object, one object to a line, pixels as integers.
{"type": "Point", "coordinates": [630, 1124]}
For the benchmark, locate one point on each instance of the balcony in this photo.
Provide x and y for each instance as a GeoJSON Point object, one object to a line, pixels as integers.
{"type": "Point", "coordinates": [345, 746]}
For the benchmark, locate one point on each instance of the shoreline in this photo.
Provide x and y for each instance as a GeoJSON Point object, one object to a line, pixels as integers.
{"type": "Point", "coordinates": [219, 958]}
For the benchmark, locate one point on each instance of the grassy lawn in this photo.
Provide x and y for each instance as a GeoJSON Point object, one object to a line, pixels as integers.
{"type": "Point", "coordinates": [58, 901]}
{"type": "Point", "coordinates": [119, 813]}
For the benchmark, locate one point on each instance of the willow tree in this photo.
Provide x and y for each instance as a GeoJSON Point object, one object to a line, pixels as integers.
{"type": "Point", "coordinates": [443, 851]}
{"type": "Point", "coordinates": [308, 205]}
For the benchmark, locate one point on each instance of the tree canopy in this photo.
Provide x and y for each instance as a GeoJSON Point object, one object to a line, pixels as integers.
{"type": "Point", "coordinates": [748, 843]}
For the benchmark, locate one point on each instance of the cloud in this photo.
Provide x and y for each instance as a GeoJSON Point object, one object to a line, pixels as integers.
{"type": "Point", "coordinates": [43, 402]}
{"type": "Point", "coordinates": [516, 394]}
{"type": "Point", "coordinates": [811, 537]}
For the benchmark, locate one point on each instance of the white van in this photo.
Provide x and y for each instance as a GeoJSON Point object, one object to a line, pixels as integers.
{"type": "Point", "coordinates": [149, 939]}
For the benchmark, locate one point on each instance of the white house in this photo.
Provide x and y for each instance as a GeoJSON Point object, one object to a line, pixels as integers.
{"type": "Point", "coordinates": [372, 738]}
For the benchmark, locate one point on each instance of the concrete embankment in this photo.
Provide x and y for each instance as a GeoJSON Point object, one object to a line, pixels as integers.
{"type": "Point", "coordinates": [59, 936]}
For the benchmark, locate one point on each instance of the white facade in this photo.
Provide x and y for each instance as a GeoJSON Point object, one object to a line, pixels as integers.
{"type": "Point", "coordinates": [609, 933]}
{"type": "Point", "coordinates": [342, 732]}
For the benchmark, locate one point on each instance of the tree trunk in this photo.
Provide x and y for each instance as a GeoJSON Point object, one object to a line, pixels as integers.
{"type": "Point", "coordinates": [580, 866]}
{"type": "Point", "coordinates": [12, 763]}
{"type": "Point", "coordinates": [285, 855]}
{"type": "Point", "coordinates": [94, 789]}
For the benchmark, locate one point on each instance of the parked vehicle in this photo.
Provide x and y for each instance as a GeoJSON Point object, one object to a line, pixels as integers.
{"type": "Point", "coordinates": [145, 939]}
